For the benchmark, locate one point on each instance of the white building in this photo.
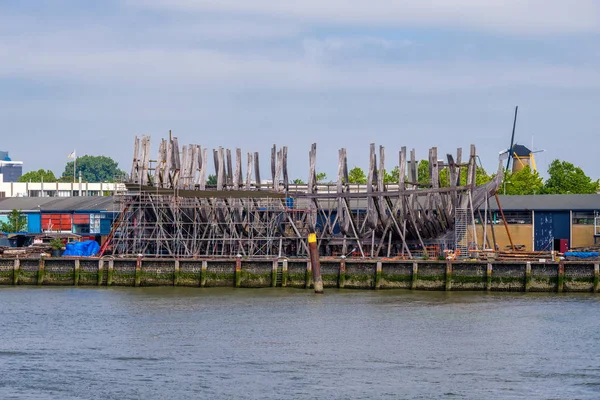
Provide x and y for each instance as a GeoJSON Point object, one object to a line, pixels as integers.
{"type": "Point", "coordinates": [58, 189]}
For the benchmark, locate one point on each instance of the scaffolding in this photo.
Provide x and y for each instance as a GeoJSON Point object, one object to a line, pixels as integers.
{"type": "Point", "coordinates": [169, 210]}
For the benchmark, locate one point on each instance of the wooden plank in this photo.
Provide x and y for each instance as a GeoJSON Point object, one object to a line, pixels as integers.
{"type": "Point", "coordinates": [286, 181]}
{"type": "Point", "coordinates": [237, 178]}
{"type": "Point", "coordinates": [229, 169]}
{"type": "Point", "coordinates": [134, 175]}
{"type": "Point", "coordinates": [273, 164]}
{"type": "Point", "coordinates": [249, 172]}
{"type": "Point", "coordinates": [257, 170]}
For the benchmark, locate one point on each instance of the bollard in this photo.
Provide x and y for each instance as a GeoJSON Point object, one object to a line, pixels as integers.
{"type": "Point", "coordinates": [415, 274]}
{"type": "Point", "coordinates": [176, 274]}
{"type": "Point", "coordinates": [109, 275]}
{"type": "Point", "coordinates": [100, 271]}
{"type": "Point", "coordinates": [596, 273]}
{"type": "Point", "coordinates": [342, 278]}
{"type": "Point", "coordinates": [238, 271]}
{"type": "Point", "coordinates": [378, 270]}
{"type": "Point", "coordinates": [16, 268]}
{"type": "Point", "coordinates": [284, 273]}
{"type": "Point", "coordinates": [448, 276]}
{"type": "Point", "coordinates": [76, 273]}
{"type": "Point", "coordinates": [527, 276]}
{"type": "Point", "coordinates": [488, 281]}
{"type": "Point", "coordinates": [315, 265]}
{"type": "Point", "coordinates": [41, 271]}
{"type": "Point", "coordinates": [203, 273]}
{"type": "Point", "coordinates": [274, 273]}
{"type": "Point", "coordinates": [561, 278]}
{"type": "Point", "coordinates": [138, 270]}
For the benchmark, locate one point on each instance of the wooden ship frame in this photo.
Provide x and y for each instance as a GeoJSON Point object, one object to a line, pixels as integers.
{"type": "Point", "coordinates": [168, 210]}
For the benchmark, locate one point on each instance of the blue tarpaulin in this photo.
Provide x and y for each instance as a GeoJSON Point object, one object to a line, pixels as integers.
{"type": "Point", "coordinates": [582, 254]}
{"type": "Point", "coordinates": [88, 248]}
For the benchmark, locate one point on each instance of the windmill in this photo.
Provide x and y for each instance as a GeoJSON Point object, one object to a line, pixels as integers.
{"type": "Point", "coordinates": [520, 155]}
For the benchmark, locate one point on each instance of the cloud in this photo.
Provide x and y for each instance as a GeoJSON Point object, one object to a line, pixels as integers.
{"type": "Point", "coordinates": [504, 16]}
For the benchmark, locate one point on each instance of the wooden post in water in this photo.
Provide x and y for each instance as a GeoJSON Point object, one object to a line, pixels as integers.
{"type": "Point", "coordinates": [488, 276]}
{"type": "Point", "coordinates": [414, 276]}
{"type": "Point", "coordinates": [527, 276]}
{"type": "Point", "coordinates": [76, 273]}
{"type": "Point", "coordinates": [561, 277]}
{"type": "Point", "coordinates": [596, 273]}
{"type": "Point", "coordinates": [342, 279]}
{"type": "Point", "coordinates": [41, 270]}
{"type": "Point", "coordinates": [284, 273]}
{"type": "Point", "coordinates": [100, 271]}
{"type": "Point", "coordinates": [448, 275]}
{"type": "Point", "coordinates": [111, 269]}
{"type": "Point", "coordinates": [176, 274]}
{"type": "Point", "coordinates": [17, 267]}
{"type": "Point", "coordinates": [203, 273]}
{"type": "Point", "coordinates": [238, 271]}
{"type": "Point", "coordinates": [378, 270]}
{"type": "Point", "coordinates": [274, 273]}
{"type": "Point", "coordinates": [314, 262]}
{"type": "Point", "coordinates": [138, 270]}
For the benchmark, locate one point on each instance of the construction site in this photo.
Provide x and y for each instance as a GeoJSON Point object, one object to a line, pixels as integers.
{"type": "Point", "coordinates": [169, 210]}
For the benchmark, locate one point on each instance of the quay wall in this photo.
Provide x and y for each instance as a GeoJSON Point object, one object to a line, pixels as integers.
{"type": "Point", "coordinates": [517, 276]}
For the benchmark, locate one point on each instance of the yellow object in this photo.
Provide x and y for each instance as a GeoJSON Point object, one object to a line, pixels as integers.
{"type": "Point", "coordinates": [312, 238]}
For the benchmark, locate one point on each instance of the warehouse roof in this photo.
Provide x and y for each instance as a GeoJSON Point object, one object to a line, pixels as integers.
{"type": "Point", "coordinates": [57, 204]}
{"type": "Point", "coordinates": [548, 202]}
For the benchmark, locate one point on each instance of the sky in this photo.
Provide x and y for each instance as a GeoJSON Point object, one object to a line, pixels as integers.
{"type": "Point", "coordinates": [341, 73]}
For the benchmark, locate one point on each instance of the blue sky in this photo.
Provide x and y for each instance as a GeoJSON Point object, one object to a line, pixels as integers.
{"type": "Point", "coordinates": [342, 73]}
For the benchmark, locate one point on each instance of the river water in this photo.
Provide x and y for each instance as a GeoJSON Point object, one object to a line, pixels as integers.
{"type": "Point", "coordinates": [177, 343]}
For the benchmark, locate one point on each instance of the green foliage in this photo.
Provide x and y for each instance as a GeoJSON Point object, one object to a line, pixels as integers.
{"type": "Point", "coordinates": [212, 179]}
{"type": "Point", "coordinates": [481, 177]}
{"type": "Point", "coordinates": [321, 176]}
{"type": "Point", "coordinates": [38, 176]}
{"type": "Point", "coordinates": [565, 177]}
{"type": "Point", "coordinates": [523, 182]}
{"type": "Point", "coordinates": [298, 181]}
{"type": "Point", "coordinates": [94, 169]}
{"type": "Point", "coordinates": [17, 222]}
{"type": "Point", "coordinates": [423, 177]}
{"type": "Point", "coordinates": [357, 176]}
{"type": "Point", "coordinates": [392, 177]}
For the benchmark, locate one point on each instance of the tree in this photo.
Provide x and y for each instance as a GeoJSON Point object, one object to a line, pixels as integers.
{"type": "Point", "coordinates": [392, 177]}
{"type": "Point", "coordinates": [565, 177]}
{"type": "Point", "coordinates": [423, 177]}
{"type": "Point", "coordinates": [298, 181]}
{"type": "Point", "coordinates": [95, 169]}
{"type": "Point", "coordinates": [522, 182]}
{"type": "Point", "coordinates": [17, 222]}
{"type": "Point", "coordinates": [38, 176]}
{"type": "Point", "coordinates": [357, 175]}
{"type": "Point", "coordinates": [212, 180]}
{"type": "Point", "coordinates": [321, 176]}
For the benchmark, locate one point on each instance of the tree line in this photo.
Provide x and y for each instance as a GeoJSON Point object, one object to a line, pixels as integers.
{"type": "Point", "coordinates": [563, 178]}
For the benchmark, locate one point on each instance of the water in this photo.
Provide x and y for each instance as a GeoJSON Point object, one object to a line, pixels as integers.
{"type": "Point", "coordinates": [175, 343]}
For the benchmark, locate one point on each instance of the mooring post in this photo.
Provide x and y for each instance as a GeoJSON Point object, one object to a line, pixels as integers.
{"type": "Point", "coordinates": [176, 273]}
{"type": "Point", "coordinates": [16, 268]}
{"type": "Point", "coordinates": [527, 276]}
{"type": "Point", "coordinates": [238, 271]}
{"type": "Point", "coordinates": [596, 273]}
{"type": "Point", "coordinates": [308, 276]}
{"type": "Point", "coordinates": [274, 273]}
{"type": "Point", "coordinates": [561, 277]}
{"type": "Point", "coordinates": [488, 276]}
{"type": "Point", "coordinates": [76, 273]}
{"type": "Point", "coordinates": [378, 270]}
{"type": "Point", "coordinates": [203, 273]}
{"type": "Point", "coordinates": [314, 261]}
{"type": "Point", "coordinates": [414, 276]}
{"type": "Point", "coordinates": [138, 270]}
{"type": "Point", "coordinates": [342, 278]}
{"type": "Point", "coordinates": [100, 271]}
{"type": "Point", "coordinates": [284, 273]}
{"type": "Point", "coordinates": [109, 275]}
{"type": "Point", "coordinates": [448, 275]}
{"type": "Point", "coordinates": [41, 271]}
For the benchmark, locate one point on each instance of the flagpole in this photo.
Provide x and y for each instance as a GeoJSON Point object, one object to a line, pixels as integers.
{"type": "Point", "coordinates": [74, 166]}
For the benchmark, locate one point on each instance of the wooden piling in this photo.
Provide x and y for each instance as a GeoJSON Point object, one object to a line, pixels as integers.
{"type": "Point", "coordinates": [109, 275]}
{"type": "Point", "coordinates": [100, 272]}
{"type": "Point", "coordinates": [138, 271]}
{"type": "Point", "coordinates": [596, 273]}
{"type": "Point", "coordinates": [342, 277]}
{"type": "Point", "coordinates": [488, 276]}
{"type": "Point", "coordinates": [203, 273]}
{"type": "Point", "coordinates": [448, 276]}
{"type": "Point", "coordinates": [527, 276]}
{"type": "Point", "coordinates": [41, 271]}
{"type": "Point", "coordinates": [76, 273]}
{"type": "Point", "coordinates": [238, 272]}
{"type": "Point", "coordinates": [378, 270]}
{"type": "Point", "coordinates": [274, 273]}
{"type": "Point", "coordinates": [561, 278]}
{"type": "Point", "coordinates": [414, 276]}
{"type": "Point", "coordinates": [315, 264]}
{"type": "Point", "coordinates": [16, 268]}
{"type": "Point", "coordinates": [176, 274]}
{"type": "Point", "coordinates": [284, 273]}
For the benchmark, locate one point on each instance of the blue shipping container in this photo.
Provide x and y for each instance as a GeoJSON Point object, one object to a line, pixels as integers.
{"type": "Point", "coordinates": [34, 223]}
